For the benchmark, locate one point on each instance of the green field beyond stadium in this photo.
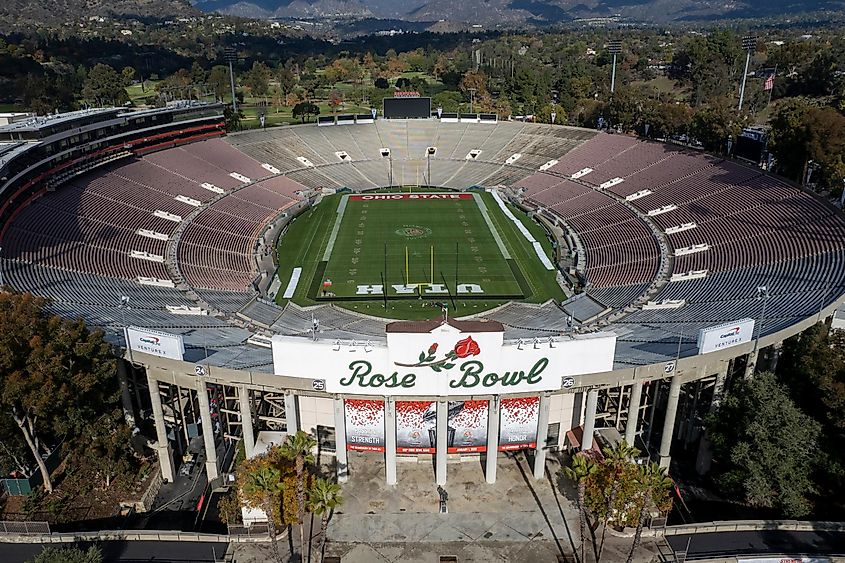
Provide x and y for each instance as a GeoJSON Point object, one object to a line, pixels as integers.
{"type": "Point", "coordinates": [400, 254]}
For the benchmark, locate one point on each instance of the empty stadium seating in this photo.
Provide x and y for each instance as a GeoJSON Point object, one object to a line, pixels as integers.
{"type": "Point", "coordinates": [191, 215]}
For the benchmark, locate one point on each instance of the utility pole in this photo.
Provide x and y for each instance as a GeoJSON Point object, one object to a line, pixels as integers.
{"type": "Point", "coordinates": [471, 99]}
{"type": "Point", "coordinates": [749, 42]}
{"type": "Point", "coordinates": [615, 47]}
{"type": "Point", "coordinates": [231, 57]}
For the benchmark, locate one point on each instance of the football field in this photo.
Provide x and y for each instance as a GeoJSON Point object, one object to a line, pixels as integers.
{"type": "Point", "coordinates": [406, 245]}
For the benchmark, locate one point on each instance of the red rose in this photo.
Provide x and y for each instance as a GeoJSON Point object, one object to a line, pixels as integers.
{"type": "Point", "coordinates": [432, 349]}
{"type": "Point", "coordinates": [467, 347]}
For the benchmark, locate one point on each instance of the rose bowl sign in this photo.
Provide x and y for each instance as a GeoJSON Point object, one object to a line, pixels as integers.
{"type": "Point", "coordinates": [439, 358]}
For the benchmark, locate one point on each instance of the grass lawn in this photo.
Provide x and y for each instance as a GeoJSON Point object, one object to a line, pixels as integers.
{"type": "Point", "coordinates": [357, 256]}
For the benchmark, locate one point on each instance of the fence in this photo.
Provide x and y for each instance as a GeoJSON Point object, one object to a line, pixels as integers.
{"type": "Point", "coordinates": [254, 530]}
{"type": "Point", "coordinates": [11, 527]}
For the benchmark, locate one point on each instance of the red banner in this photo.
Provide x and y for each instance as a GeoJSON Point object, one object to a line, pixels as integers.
{"type": "Point", "coordinates": [397, 197]}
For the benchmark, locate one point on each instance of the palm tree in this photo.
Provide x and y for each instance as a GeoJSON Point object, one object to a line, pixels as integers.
{"type": "Point", "coordinates": [323, 498]}
{"type": "Point", "coordinates": [266, 483]}
{"type": "Point", "coordinates": [652, 479]}
{"type": "Point", "coordinates": [581, 468]}
{"type": "Point", "coordinates": [298, 449]}
{"type": "Point", "coordinates": [616, 457]}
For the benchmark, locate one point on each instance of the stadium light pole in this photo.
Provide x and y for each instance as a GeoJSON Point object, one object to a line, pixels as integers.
{"type": "Point", "coordinates": [615, 47]}
{"type": "Point", "coordinates": [231, 57]}
{"type": "Point", "coordinates": [762, 295]}
{"type": "Point", "coordinates": [124, 304]}
{"type": "Point", "coordinates": [749, 42]}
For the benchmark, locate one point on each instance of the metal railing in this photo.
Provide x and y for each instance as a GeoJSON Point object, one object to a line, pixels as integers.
{"type": "Point", "coordinates": [12, 527]}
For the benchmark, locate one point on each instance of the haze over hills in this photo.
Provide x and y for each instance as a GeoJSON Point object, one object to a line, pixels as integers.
{"type": "Point", "coordinates": [494, 12]}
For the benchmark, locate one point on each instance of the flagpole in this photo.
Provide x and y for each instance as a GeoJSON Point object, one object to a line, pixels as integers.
{"type": "Point", "coordinates": [772, 89]}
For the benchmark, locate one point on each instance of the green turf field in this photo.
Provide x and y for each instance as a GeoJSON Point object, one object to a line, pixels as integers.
{"type": "Point", "coordinates": [420, 243]}
{"type": "Point", "coordinates": [373, 253]}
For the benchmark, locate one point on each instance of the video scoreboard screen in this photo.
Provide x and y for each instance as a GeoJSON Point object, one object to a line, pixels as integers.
{"type": "Point", "coordinates": [407, 108]}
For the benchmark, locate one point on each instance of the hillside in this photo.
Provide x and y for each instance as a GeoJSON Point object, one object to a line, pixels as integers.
{"type": "Point", "coordinates": [58, 12]}
{"type": "Point", "coordinates": [491, 13]}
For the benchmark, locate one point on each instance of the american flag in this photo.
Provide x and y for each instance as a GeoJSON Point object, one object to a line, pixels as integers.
{"type": "Point", "coordinates": [770, 83]}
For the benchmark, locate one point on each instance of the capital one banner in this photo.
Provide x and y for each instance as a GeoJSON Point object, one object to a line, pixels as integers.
{"type": "Point", "coordinates": [725, 335]}
{"type": "Point", "coordinates": [155, 342]}
{"type": "Point", "coordinates": [364, 425]}
{"type": "Point", "coordinates": [518, 423]}
{"type": "Point", "coordinates": [443, 361]}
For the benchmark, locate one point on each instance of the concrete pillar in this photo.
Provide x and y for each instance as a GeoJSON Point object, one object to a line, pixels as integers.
{"type": "Point", "coordinates": [669, 422]}
{"type": "Point", "coordinates": [340, 441]}
{"type": "Point", "coordinates": [162, 446]}
{"type": "Point", "coordinates": [577, 407]}
{"type": "Point", "coordinates": [751, 363]}
{"type": "Point", "coordinates": [542, 434]}
{"type": "Point", "coordinates": [207, 431]}
{"type": "Point", "coordinates": [704, 458]}
{"type": "Point", "coordinates": [493, 408]}
{"type": "Point", "coordinates": [125, 395]}
{"type": "Point", "coordinates": [633, 412]}
{"type": "Point", "coordinates": [292, 412]}
{"type": "Point", "coordinates": [247, 432]}
{"type": "Point", "coordinates": [390, 441]}
{"type": "Point", "coordinates": [590, 419]}
{"type": "Point", "coordinates": [442, 441]}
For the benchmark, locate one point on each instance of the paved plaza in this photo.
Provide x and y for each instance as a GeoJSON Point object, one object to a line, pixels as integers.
{"type": "Point", "coordinates": [516, 519]}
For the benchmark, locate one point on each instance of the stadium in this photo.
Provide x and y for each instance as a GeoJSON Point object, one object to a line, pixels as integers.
{"type": "Point", "coordinates": [439, 287]}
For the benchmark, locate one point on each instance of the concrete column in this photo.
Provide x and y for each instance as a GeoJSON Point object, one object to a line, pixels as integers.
{"type": "Point", "coordinates": [590, 419]}
{"type": "Point", "coordinates": [704, 458]}
{"type": "Point", "coordinates": [292, 412]}
{"type": "Point", "coordinates": [246, 421]}
{"type": "Point", "coordinates": [390, 441]}
{"type": "Point", "coordinates": [751, 363]}
{"type": "Point", "coordinates": [125, 395]}
{"type": "Point", "coordinates": [442, 441]}
{"type": "Point", "coordinates": [162, 446]}
{"type": "Point", "coordinates": [633, 412]}
{"type": "Point", "coordinates": [207, 431]}
{"type": "Point", "coordinates": [669, 422]}
{"type": "Point", "coordinates": [340, 441]}
{"type": "Point", "coordinates": [577, 407]}
{"type": "Point", "coordinates": [542, 434]}
{"type": "Point", "coordinates": [493, 408]}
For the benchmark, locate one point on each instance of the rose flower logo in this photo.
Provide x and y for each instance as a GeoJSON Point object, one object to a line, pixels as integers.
{"type": "Point", "coordinates": [463, 349]}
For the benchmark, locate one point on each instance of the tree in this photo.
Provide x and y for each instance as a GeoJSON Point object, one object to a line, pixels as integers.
{"type": "Point", "coordinates": [582, 467]}
{"type": "Point", "coordinates": [323, 498]}
{"type": "Point", "coordinates": [713, 125]}
{"type": "Point", "coordinates": [381, 83]}
{"type": "Point", "coordinates": [764, 446]}
{"type": "Point", "coordinates": [617, 460]}
{"type": "Point", "coordinates": [108, 448]}
{"type": "Point", "coordinates": [262, 489]}
{"type": "Point", "coordinates": [218, 81]}
{"type": "Point", "coordinates": [55, 375]}
{"type": "Point", "coordinates": [104, 85]}
{"type": "Point", "coordinates": [802, 132]}
{"type": "Point", "coordinates": [69, 555]}
{"type": "Point", "coordinates": [654, 484]}
{"type": "Point", "coordinates": [304, 109]}
{"type": "Point", "coordinates": [257, 79]}
{"type": "Point", "coordinates": [297, 448]}
{"type": "Point", "coordinates": [128, 75]}
{"type": "Point", "coordinates": [287, 80]}
{"type": "Point", "coordinates": [335, 99]}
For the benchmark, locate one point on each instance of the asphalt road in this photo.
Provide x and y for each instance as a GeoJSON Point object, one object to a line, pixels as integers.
{"type": "Point", "coordinates": [719, 544]}
{"type": "Point", "coordinates": [134, 551]}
